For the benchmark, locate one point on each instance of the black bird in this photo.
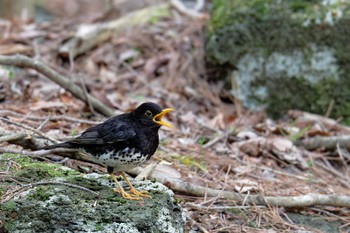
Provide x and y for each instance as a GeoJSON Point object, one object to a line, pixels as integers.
{"type": "Point", "coordinates": [123, 142]}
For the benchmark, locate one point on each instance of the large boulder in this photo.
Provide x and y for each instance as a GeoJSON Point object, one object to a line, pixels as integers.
{"type": "Point", "coordinates": [283, 54]}
{"type": "Point", "coordinates": [60, 208]}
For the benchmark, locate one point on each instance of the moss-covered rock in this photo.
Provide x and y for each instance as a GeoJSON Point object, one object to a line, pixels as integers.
{"type": "Point", "coordinates": [60, 208]}
{"type": "Point", "coordinates": [283, 54]}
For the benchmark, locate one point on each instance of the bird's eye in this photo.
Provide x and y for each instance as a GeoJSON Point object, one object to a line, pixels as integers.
{"type": "Point", "coordinates": [148, 113]}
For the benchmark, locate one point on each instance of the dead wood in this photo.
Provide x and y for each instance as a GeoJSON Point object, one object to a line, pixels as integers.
{"type": "Point", "coordinates": [330, 124]}
{"type": "Point", "coordinates": [290, 201]}
{"type": "Point", "coordinates": [27, 62]}
{"type": "Point", "coordinates": [328, 143]}
{"type": "Point", "coordinates": [89, 36]}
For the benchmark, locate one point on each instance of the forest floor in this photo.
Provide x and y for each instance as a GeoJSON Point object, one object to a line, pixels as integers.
{"type": "Point", "coordinates": [214, 144]}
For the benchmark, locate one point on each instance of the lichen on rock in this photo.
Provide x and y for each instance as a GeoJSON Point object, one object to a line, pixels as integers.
{"type": "Point", "coordinates": [283, 54]}
{"type": "Point", "coordinates": [57, 208]}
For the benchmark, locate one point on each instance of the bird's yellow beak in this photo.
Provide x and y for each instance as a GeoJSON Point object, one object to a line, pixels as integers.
{"type": "Point", "coordinates": [158, 118]}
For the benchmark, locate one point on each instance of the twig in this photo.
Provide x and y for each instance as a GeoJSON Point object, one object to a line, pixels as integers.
{"type": "Point", "coordinates": [330, 108]}
{"type": "Point", "coordinates": [136, 74]}
{"type": "Point", "coordinates": [27, 62]}
{"type": "Point", "coordinates": [215, 140]}
{"type": "Point", "coordinates": [39, 153]}
{"type": "Point", "coordinates": [60, 183]}
{"type": "Point", "coordinates": [83, 85]}
{"type": "Point", "coordinates": [224, 186]}
{"type": "Point", "coordinates": [207, 126]}
{"type": "Point", "coordinates": [51, 118]}
{"type": "Point", "coordinates": [342, 155]}
{"type": "Point", "coordinates": [285, 173]}
{"type": "Point", "coordinates": [222, 208]}
{"type": "Point", "coordinates": [43, 123]}
{"type": "Point", "coordinates": [24, 139]}
{"type": "Point", "coordinates": [344, 180]}
{"type": "Point", "coordinates": [193, 222]}
{"type": "Point", "coordinates": [11, 193]}
{"type": "Point", "coordinates": [328, 213]}
{"type": "Point", "coordinates": [13, 136]}
{"type": "Point", "coordinates": [29, 128]}
{"type": "Point", "coordinates": [223, 135]}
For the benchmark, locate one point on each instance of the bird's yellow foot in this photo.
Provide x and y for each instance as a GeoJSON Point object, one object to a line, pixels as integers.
{"type": "Point", "coordinates": [133, 190]}
{"type": "Point", "coordinates": [139, 193]}
{"type": "Point", "coordinates": [126, 195]}
{"type": "Point", "coordinates": [133, 193]}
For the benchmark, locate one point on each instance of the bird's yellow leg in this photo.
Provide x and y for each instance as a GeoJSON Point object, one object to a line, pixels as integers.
{"type": "Point", "coordinates": [133, 190]}
{"type": "Point", "coordinates": [122, 191]}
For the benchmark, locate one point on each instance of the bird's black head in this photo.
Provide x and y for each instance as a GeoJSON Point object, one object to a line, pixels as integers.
{"type": "Point", "coordinates": [151, 114]}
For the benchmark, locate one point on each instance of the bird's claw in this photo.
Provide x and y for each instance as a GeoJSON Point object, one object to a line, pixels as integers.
{"type": "Point", "coordinates": [127, 195]}
{"type": "Point", "coordinates": [142, 193]}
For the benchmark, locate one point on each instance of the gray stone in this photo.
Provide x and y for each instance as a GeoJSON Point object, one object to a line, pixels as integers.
{"type": "Point", "coordinates": [57, 208]}
{"type": "Point", "coordinates": [283, 54]}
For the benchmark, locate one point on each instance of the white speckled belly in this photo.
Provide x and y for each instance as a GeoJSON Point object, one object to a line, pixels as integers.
{"type": "Point", "coordinates": [122, 161]}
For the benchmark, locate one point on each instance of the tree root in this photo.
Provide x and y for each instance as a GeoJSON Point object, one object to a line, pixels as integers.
{"type": "Point", "coordinates": [27, 62]}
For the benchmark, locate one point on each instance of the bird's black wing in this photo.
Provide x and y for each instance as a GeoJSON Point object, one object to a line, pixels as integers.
{"type": "Point", "coordinates": [109, 132]}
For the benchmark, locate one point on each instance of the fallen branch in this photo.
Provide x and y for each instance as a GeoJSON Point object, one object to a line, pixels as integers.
{"type": "Point", "coordinates": [89, 36]}
{"type": "Point", "coordinates": [27, 62]}
{"type": "Point", "coordinates": [327, 143]}
{"type": "Point", "coordinates": [51, 118]}
{"type": "Point", "coordinates": [221, 207]}
{"type": "Point", "coordinates": [12, 137]}
{"type": "Point", "coordinates": [29, 128]}
{"type": "Point", "coordinates": [330, 124]}
{"type": "Point", "coordinates": [24, 139]}
{"type": "Point", "coordinates": [290, 201]}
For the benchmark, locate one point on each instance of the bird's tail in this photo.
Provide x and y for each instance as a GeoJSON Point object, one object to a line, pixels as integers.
{"type": "Point", "coordinates": [58, 145]}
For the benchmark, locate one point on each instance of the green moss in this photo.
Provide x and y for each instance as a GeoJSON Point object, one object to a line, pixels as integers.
{"type": "Point", "coordinates": [10, 227]}
{"type": "Point", "coordinates": [9, 206]}
{"type": "Point", "coordinates": [311, 97]}
{"type": "Point", "coordinates": [157, 15]}
{"type": "Point", "coordinates": [34, 170]}
{"type": "Point", "coordinates": [238, 27]}
{"type": "Point", "coordinates": [41, 194]}
{"type": "Point", "coordinates": [99, 227]}
{"type": "Point", "coordinates": [192, 162]}
{"type": "Point", "coordinates": [39, 170]}
{"type": "Point", "coordinates": [2, 191]}
{"type": "Point", "coordinates": [91, 184]}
